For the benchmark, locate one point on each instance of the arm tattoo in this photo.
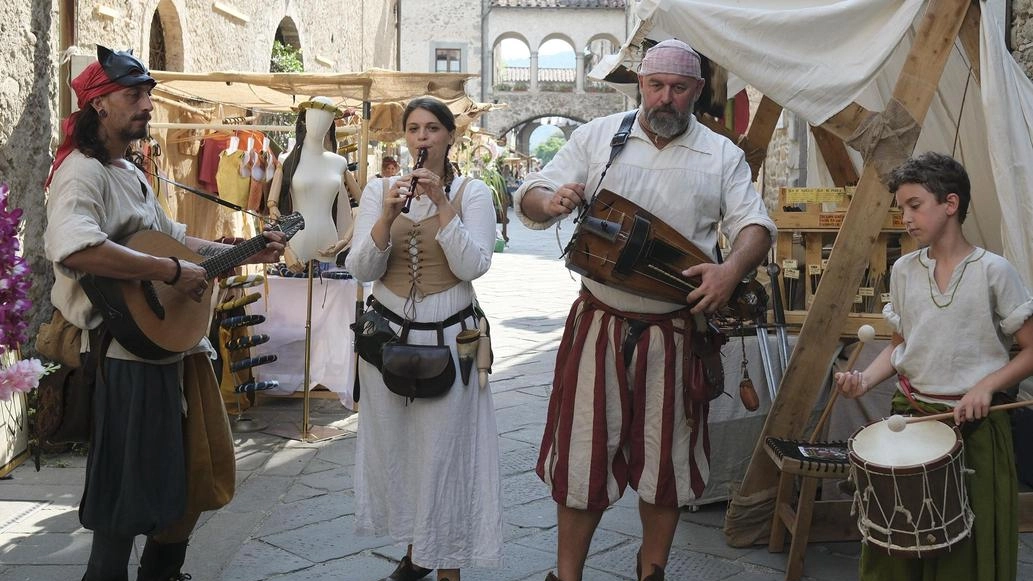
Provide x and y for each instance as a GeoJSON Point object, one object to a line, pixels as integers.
{"type": "Point", "coordinates": [210, 250]}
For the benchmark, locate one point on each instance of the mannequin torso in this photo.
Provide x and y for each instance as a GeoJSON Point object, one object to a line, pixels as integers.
{"type": "Point", "coordinates": [316, 182]}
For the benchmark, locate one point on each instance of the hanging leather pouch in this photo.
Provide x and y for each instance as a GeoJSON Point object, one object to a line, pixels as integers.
{"type": "Point", "coordinates": [706, 367]}
{"type": "Point", "coordinates": [418, 371]}
{"type": "Point", "coordinates": [372, 333]}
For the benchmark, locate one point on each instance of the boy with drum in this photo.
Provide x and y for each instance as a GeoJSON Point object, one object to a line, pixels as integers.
{"type": "Point", "coordinates": [956, 309]}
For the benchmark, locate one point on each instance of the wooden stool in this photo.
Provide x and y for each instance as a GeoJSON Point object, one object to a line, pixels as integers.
{"type": "Point", "coordinates": [822, 460]}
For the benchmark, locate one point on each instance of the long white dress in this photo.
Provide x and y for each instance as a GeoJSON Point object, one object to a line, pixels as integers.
{"type": "Point", "coordinates": [427, 471]}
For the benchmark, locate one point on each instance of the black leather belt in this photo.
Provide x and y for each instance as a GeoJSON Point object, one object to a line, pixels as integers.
{"type": "Point", "coordinates": [394, 318]}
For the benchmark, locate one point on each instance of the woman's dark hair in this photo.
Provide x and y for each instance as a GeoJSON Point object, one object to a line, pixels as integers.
{"type": "Point", "coordinates": [444, 116]}
{"type": "Point", "coordinates": [940, 174]}
{"type": "Point", "coordinates": [290, 164]}
{"type": "Point", "coordinates": [87, 135]}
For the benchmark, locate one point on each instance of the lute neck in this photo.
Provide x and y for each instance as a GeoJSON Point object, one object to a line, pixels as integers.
{"type": "Point", "coordinates": [235, 256]}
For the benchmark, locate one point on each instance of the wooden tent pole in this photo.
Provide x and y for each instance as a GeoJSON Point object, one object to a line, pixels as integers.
{"type": "Point", "coordinates": [755, 142]}
{"type": "Point", "coordinates": [834, 152]}
{"type": "Point", "coordinates": [969, 36]}
{"type": "Point", "coordinates": [758, 135]}
{"type": "Point", "coordinates": [801, 384]}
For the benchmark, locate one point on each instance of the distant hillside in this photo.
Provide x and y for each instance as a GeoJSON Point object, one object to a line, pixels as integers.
{"type": "Point", "coordinates": [559, 60]}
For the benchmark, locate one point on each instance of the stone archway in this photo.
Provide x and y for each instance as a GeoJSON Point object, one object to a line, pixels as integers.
{"type": "Point", "coordinates": [524, 107]}
{"type": "Point", "coordinates": [165, 45]}
{"type": "Point", "coordinates": [290, 58]}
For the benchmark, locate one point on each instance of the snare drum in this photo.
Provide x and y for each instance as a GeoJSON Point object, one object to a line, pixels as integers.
{"type": "Point", "coordinates": [911, 498]}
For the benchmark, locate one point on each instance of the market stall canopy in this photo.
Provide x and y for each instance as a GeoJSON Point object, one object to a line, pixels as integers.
{"type": "Point", "coordinates": [387, 91]}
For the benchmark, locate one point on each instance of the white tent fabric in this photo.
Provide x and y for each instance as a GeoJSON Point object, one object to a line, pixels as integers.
{"type": "Point", "coordinates": [1008, 99]}
{"type": "Point", "coordinates": [814, 57]}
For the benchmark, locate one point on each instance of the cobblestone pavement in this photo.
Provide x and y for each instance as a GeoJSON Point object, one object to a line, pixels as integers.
{"type": "Point", "coordinates": [292, 517]}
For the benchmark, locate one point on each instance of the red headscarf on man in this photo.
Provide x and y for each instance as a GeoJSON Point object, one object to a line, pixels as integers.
{"type": "Point", "coordinates": [112, 71]}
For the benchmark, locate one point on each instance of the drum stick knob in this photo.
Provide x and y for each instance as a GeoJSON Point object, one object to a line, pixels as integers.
{"type": "Point", "coordinates": [865, 334]}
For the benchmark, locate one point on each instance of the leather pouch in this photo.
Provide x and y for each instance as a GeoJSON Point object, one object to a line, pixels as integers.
{"type": "Point", "coordinates": [418, 371]}
{"type": "Point", "coordinates": [372, 333]}
{"type": "Point", "coordinates": [706, 352]}
{"type": "Point", "coordinates": [59, 341]}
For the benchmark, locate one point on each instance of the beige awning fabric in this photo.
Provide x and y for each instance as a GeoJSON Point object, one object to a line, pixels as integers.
{"type": "Point", "coordinates": [387, 91]}
{"type": "Point", "coordinates": [281, 91]}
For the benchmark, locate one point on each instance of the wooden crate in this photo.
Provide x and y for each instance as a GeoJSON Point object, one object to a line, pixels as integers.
{"type": "Point", "coordinates": [811, 227]}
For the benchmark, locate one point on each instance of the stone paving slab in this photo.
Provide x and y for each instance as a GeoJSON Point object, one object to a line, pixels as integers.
{"type": "Point", "coordinates": [326, 540]}
{"type": "Point", "coordinates": [46, 517]}
{"type": "Point", "coordinates": [358, 567]}
{"type": "Point", "coordinates": [522, 489]}
{"type": "Point", "coordinates": [289, 462]}
{"type": "Point", "coordinates": [257, 491]}
{"type": "Point", "coordinates": [546, 541]}
{"type": "Point", "coordinates": [258, 561]}
{"type": "Point", "coordinates": [290, 516]}
{"type": "Point", "coordinates": [517, 460]}
{"type": "Point", "coordinates": [217, 540]}
{"type": "Point", "coordinates": [46, 573]}
{"type": "Point", "coordinates": [45, 548]}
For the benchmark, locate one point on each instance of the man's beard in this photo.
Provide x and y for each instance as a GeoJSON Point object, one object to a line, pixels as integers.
{"type": "Point", "coordinates": [667, 122]}
{"type": "Point", "coordinates": [132, 134]}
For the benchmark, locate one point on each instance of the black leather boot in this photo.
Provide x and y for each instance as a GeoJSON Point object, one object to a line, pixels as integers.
{"type": "Point", "coordinates": [406, 571]}
{"type": "Point", "coordinates": [162, 562]}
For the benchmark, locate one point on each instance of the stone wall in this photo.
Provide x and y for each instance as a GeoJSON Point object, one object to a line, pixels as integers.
{"type": "Point", "coordinates": [441, 24]}
{"type": "Point", "coordinates": [27, 120]}
{"type": "Point", "coordinates": [343, 36]}
{"type": "Point", "coordinates": [1021, 40]}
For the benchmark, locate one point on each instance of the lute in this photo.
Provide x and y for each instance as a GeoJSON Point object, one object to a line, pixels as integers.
{"type": "Point", "coordinates": [155, 321]}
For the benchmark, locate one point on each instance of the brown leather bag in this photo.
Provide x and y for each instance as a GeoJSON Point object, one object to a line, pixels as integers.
{"type": "Point", "coordinates": [418, 371]}
{"type": "Point", "coordinates": [59, 341]}
{"type": "Point", "coordinates": [706, 366]}
{"type": "Point", "coordinates": [64, 399]}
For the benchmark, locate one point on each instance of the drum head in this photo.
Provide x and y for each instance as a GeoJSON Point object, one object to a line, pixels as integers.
{"type": "Point", "coordinates": [918, 443]}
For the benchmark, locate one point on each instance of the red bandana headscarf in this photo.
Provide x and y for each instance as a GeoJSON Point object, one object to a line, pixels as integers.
{"type": "Point", "coordinates": [93, 82]}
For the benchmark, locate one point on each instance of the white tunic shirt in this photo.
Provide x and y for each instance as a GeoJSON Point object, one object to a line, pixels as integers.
{"type": "Point", "coordinates": [698, 183]}
{"type": "Point", "coordinates": [953, 339]}
{"type": "Point", "coordinates": [89, 203]}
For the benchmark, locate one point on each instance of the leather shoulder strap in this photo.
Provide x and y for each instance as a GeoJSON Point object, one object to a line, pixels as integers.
{"type": "Point", "coordinates": [621, 137]}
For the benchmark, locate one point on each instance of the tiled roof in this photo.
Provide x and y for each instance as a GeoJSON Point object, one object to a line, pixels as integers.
{"type": "Point", "coordinates": [559, 3]}
{"type": "Point", "coordinates": [518, 74]}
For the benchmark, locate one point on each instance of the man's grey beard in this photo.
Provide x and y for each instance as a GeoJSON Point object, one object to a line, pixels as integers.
{"type": "Point", "coordinates": [667, 124]}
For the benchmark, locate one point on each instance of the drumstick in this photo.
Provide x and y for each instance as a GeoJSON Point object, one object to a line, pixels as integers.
{"type": "Point", "coordinates": [865, 334]}
{"type": "Point", "coordinates": [897, 423]}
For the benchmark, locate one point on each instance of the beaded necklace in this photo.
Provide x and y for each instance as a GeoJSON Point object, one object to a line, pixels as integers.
{"type": "Point", "coordinates": [930, 276]}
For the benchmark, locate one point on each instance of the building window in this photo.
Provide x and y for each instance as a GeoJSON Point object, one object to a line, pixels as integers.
{"type": "Point", "coordinates": [448, 60]}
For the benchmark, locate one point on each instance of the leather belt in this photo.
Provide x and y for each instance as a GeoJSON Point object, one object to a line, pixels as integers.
{"type": "Point", "coordinates": [417, 326]}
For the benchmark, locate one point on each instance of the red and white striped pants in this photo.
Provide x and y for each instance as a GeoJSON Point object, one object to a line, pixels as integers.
{"type": "Point", "coordinates": [611, 425]}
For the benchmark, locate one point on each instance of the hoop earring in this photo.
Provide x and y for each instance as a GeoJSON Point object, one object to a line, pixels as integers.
{"type": "Point", "coordinates": [102, 113]}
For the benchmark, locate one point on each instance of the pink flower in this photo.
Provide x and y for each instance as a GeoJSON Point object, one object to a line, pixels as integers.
{"type": "Point", "coordinates": [23, 376]}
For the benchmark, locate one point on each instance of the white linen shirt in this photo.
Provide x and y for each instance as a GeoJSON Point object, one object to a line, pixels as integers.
{"type": "Point", "coordinates": [954, 339]}
{"type": "Point", "coordinates": [697, 183]}
{"type": "Point", "coordinates": [89, 203]}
